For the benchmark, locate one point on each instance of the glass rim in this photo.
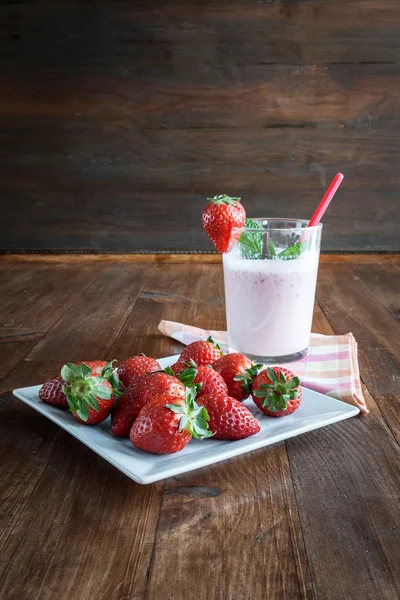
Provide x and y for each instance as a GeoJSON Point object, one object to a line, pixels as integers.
{"type": "Point", "coordinates": [303, 226]}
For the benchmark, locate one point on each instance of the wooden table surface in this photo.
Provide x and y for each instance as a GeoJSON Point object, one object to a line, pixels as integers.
{"type": "Point", "coordinates": [316, 516]}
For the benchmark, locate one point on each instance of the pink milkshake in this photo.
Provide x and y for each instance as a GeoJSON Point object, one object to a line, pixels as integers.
{"type": "Point", "coordinates": [270, 302]}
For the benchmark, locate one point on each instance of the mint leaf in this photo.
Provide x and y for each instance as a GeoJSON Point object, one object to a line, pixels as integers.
{"type": "Point", "coordinates": [251, 243]}
{"type": "Point", "coordinates": [294, 251]}
{"type": "Point", "coordinates": [291, 252]}
{"type": "Point", "coordinates": [271, 249]}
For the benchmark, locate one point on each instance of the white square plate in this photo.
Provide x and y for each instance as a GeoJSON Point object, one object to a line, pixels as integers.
{"type": "Point", "coordinates": [316, 410]}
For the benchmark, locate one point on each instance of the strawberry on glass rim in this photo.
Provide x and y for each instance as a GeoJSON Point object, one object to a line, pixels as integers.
{"type": "Point", "coordinates": [277, 392]}
{"type": "Point", "coordinates": [220, 217]}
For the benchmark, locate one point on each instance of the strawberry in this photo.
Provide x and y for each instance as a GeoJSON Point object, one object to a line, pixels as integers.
{"type": "Point", "coordinates": [220, 217]}
{"type": "Point", "coordinates": [238, 372]}
{"type": "Point", "coordinates": [210, 381]}
{"type": "Point", "coordinates": [125, 411]}
{"type": "Point", "coordinates": [135, 367]}
{"type": "Point", "coordinates": [178, 367]}
{"type": "Point", "coordinates": [277, 392]}
{"type": "Point", "coordinates": [164, 428]}
{"type": "Point", "coordinates": [204, 378]}
{"type": "Point", "coordinates": [96, 365]}
{"type": "Point", "coordinates": [202, 353]}
{"type": "Point", "coordinates": [156, 384]}
{"type": "Point", "coordinates": [147, 388]}
{"type": "Point", "coordinates": [90, 396]}
{"type": "Point", "coordinates": [51, 393]}
{"type": "Point", "coordinates": [105, 369]}
{"type": "Point", "coordinates": [229, 418]}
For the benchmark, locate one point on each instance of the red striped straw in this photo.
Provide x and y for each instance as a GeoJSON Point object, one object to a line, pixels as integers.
{"type": "Point", "coordinates": [323, 205]}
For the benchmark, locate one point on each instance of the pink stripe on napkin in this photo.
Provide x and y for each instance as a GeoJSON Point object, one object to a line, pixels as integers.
{"type": "Point", "coordinates": [334, 372]}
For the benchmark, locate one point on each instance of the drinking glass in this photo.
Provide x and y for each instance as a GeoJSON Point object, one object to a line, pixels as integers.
{"type": "Point", "coordinates": [270, 276]}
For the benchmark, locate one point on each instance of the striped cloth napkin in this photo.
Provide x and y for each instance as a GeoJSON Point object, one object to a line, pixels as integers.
{"type": "Point", "coordinates": [331, 366]}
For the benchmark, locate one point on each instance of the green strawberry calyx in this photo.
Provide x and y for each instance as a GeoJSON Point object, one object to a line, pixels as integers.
{"type": "Point", "coordinates": [187, 376]}
{"type": "Point", "coordinates": [109, 372]}
{"type": "Point", "coordinates": [211, 340]}
{"type": "Point", "coordinates": [224, 199]}
{"type": "Point", "coordinates": [277, 394]}
{"type": "Point", "coordinates": [247, 377]}
{"type": "Point", "coordinates": [83, 390]}
{"type": "Point", "coordinates": [194, 418]}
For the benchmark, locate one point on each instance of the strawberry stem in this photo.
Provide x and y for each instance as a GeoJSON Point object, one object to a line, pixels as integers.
{"type": "Point", "coordinates": [211, 340]}
{"type": "Point", "coordinates": [248, 376]}
{"type": "Point", "coordinates": [194, 418]}
{"type": "Point", "coordinates": [277, 394]}
{"type": "Point", "coordinates": [82, 390]}
{"type": "Point", "coordinates": [224, 199]}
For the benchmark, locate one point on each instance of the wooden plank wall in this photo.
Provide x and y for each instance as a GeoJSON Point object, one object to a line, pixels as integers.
{"type": "Point", "coordinates": [117, 118]}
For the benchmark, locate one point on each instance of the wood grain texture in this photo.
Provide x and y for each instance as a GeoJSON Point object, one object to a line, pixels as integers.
{"type": "Point", "coordinates": [22, 434]}
{"type": "Point", "coordinates": [350, 534]}
{"type": "Point", "coordinates": [198, 34]}
{"type": "Point", "coordinates": [272, 173]}
{"type": "Point", "coordinates": [182, 258]}
{"type": "Point", "coordinates": [99, 543]}
{"type": "Point", "coordinates": [32, 302]}
{"type": "Point", "coordinates": [246, 539]}
{"type": "Point", "coordinates": [117, 119]}
{"type": "Point", "coordinates": [83, 333]}
{"type": "Point", "coordinates": [164, 291]}
{"type": "Point", "coordinates": [315, 517]}
{"type": "Point", "coordinates": [280, 96]}
{"type": "Point", "coordinates": [366, 301]}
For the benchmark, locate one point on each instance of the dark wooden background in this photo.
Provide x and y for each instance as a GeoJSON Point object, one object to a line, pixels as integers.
{"type": "Point", "coordinates": [117, 118]}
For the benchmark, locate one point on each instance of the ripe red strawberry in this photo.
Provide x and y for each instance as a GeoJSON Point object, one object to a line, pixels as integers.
{"type": "Point", "coordinates": [204, 378]}
{"type": "Point", "coordinates": [51, 393]}
{"type": "Point", "coordinates": [202, 353]}
{"type": "Point", "coordinates": [210, 381]}
{"type": "Point", "coordinates": [178, 367]}
{"type": "Point", "coordinates": [277, 392]}
{"type": "Point", "coordinates": [90, 396]}
{"type": "Point", "coordinates": [220, 217]}
{"type": "Point", "coordinates": [164, 428]}
{"type": "Point", "coordinates": [147, 388]}
{"type": "Point", "coordinates": [229, 418]}
{"type": "Point", "coordinates": [152, 385]}
{"type": "Point", "coordinates": [96, 365]}
{"type": "Point", "coordinates": [135, 367]}
{"type": "Point", "coordinates": [125, 411]}
{"type": "Point", "coordinates": [238, 373]}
